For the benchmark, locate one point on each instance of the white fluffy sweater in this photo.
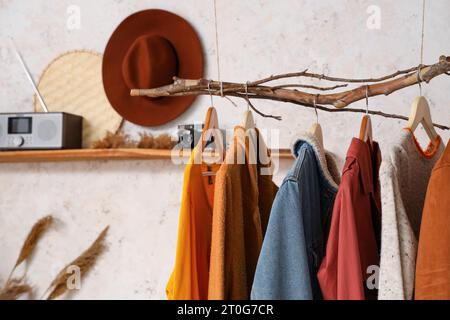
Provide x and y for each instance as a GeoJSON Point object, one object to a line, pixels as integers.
{"type": "Point", "coordinates": [404, 176]}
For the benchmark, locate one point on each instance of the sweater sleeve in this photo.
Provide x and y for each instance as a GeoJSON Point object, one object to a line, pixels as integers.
{"type": "Point", "coordinates": [391, 280]}
{"type": "Point", "coordinates": [282, 271]}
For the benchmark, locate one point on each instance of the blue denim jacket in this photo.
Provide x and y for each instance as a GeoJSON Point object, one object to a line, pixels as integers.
{"type": "Point", "coordinates": [295, 240]}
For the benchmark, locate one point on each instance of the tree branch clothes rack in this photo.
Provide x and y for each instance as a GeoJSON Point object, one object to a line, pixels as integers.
{"type": "Point", "coordinates": [321, 234]}
{"type": "Point", "coordinates": [287, 93]}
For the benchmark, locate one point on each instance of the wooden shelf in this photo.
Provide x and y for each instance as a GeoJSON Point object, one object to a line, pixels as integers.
{"type": "Point", "coordinates": [100, 154]}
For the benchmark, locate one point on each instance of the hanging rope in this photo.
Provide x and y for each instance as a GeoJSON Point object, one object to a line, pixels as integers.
{"type": "Point", "coordinates": [217, 44]}
{"type": "Point", "coordinates": [218, 56]}
{"type": "Point", "coordinates": [422, 37]}
{"type": "Point", "coordinates": [423, 32]}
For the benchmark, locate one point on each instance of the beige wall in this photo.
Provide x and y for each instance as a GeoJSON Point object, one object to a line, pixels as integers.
{"type": "Point", "coordinates": [140, 200]}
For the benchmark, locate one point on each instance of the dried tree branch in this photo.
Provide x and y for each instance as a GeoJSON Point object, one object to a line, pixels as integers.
{"type": "Point", "coordinates": [354, 110]}
{"type": "Point", "coordinates": [264, 115]}
{"type": "Point", "coordinates": [256, 90]}
{"type": "Point", "coordinates": [306, 86]}
{"type": "Point", "coordinates": [307, 74]}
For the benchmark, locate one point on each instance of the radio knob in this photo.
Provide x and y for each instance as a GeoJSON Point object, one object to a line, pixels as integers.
{"type": "Point", "coordinates": [18, 141]}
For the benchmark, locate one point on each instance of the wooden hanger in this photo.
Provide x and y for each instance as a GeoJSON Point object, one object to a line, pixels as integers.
{"type": "Point", "coordinates": [248, 124]}
{"type": "Point", "coordinates": [316, 131]}
{"type": "Point", "coordinates": [248, 121]}
{"type": "Point", "coordinates": [211, 130]}
{"type": "Point", "coordinates": [420, 114]}
{"type": "Point", "coordinates": [211, 127]}
{"type": "Point", "coordinates": [365, 130]}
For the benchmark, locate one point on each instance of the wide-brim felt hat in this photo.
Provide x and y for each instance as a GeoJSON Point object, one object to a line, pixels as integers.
{"type": "Point", "coordinates": [147, 50]}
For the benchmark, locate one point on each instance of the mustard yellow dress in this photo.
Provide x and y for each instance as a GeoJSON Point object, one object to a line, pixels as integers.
{"type": "Point", "coordinates": [190, 277]}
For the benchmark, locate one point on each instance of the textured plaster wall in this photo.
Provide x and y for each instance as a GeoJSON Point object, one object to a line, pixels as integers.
{"type": "Point", "coordinates": [140, 199]}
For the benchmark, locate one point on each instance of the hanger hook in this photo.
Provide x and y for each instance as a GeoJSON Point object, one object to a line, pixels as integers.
{"type": "Point", "coordinates": [367, 99]}
{"type": "Point", "coordinates": [246, 94]}
{"type": "Point", "coordinates": [210, 92]}
{"type": "Point", "coordinates": [419, 78]}
{"type": "Point", "coordinates": [315, 108]}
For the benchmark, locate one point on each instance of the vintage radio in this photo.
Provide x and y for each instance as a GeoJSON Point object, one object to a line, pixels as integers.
{"type": "Point", "coordinates": [40, 130]}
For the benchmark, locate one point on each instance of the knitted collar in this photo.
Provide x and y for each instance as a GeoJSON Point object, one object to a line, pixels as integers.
{"type": "Point", "coordinates": [326, 159]}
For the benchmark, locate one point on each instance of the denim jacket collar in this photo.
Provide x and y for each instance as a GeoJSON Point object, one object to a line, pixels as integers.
{"type": "Point", "coordinates": [325, 159]}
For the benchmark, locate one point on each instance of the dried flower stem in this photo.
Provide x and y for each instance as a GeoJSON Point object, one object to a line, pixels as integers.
{"type": "Point", "coordinates": [31, 241]}
{"type": "Point", "coordinates": [85, 262]}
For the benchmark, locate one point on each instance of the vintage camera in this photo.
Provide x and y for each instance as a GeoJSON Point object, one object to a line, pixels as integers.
{"type": "Point", "coordinates": [190, 134]}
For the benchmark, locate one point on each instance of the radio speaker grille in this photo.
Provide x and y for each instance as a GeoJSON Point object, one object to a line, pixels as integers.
{"type": "Point", "coordinates": [46, 130]}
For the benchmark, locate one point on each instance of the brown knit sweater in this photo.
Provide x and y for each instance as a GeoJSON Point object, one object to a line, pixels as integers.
{"type": "Point", "coordinates": [242, 203]}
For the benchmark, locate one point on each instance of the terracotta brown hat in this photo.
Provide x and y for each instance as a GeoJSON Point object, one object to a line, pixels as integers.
{"type": "Point", "coordinates": [147, 50]}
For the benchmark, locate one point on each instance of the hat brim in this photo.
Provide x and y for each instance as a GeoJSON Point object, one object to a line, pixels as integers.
{"type": "Point", "coordinates": [143, 110]}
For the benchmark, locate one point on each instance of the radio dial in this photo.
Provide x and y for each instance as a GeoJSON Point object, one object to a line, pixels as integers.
{"type": "Point", "coordinates": [18, 141]}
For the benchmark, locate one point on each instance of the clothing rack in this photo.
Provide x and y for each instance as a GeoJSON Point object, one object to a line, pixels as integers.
{"type": "Point", "coordinates": [260, 89]}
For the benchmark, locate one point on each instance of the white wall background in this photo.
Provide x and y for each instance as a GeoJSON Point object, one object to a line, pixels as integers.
{"type": "Point", "coordinates": [140, 199]}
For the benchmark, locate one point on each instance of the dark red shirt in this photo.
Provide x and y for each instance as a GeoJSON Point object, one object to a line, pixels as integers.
{"type": "Point", "coordinates": [354, 238]}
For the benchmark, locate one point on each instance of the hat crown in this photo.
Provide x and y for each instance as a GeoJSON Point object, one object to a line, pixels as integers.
{"type": "Point", "coordinates": [150, 62]}
{"type": "Point", "coordinates": [147, 49]}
